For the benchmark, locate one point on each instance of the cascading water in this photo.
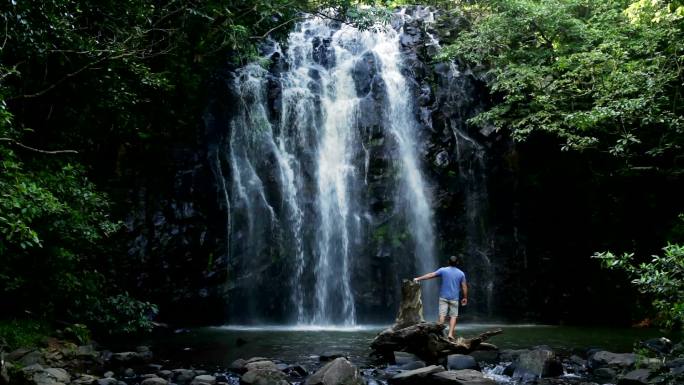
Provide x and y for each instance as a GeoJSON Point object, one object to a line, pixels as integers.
{"type": "Point", "coordinates": [304, 213]}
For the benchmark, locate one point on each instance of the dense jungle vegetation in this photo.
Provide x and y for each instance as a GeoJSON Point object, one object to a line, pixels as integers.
{"type": "Point", "coordinates": [85, 86]}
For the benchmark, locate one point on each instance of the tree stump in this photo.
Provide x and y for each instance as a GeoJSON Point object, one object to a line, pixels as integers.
{"type": "Point", "coordinates": [426, 340]}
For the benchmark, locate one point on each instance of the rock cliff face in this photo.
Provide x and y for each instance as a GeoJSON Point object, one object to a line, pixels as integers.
{"type": "Point", "coordinates": [235, 232]}
{"type": "Point", "coordinates": [209, 245]}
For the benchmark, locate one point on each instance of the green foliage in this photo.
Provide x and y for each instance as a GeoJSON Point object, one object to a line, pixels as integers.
{"type": "Point", "coordinates": [603, 76]}
{"type": "Point", "coordinates": [16, 333]}
{"type": "Point", "coordinates": [662, 278]}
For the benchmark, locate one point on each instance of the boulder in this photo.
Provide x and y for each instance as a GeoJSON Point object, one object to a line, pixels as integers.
{"type": "Point", "coordinates": [660, 345]}
{"type": "Point", "coordinates": [636, 377]}
{"type": "Point", "coordinates": [537, 363]}
{"type": "Point", "coordinates": [264, 377]}
{"type": "Point", "coordinates": [461, 377]}
{"type": "Point", "coordinates": [183, 376]}
{"type": "Point", "coordinates": [461, 361]}
{"type": "Point", "coordinates": [257, 365]}
{"type": "Point", "coordinates": [84, 379]}
{"type": "Point", "coordinates": [154, 381]}
{"type": "Point", "coordinates": [238, 365]}
{"type": "Point", "coordinates": [204, 379]}
{"type": "Point", "coordinates": [337, 372]}
{"type": "Point", "coordinates": [607, 374]}
{"type": "Point", "coordinates": [59, 374]}
{"type": "Point", "coordinates": [165, 374]}
{"type": "Point", "coordinates": [416, 376]}
{"type": "Point", "coordinates": [615, 360]}
{"type": "Point", "coordinates": [107, 381]}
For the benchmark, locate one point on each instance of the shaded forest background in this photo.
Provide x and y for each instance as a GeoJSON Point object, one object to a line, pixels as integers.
{"type": "Point", "coordinates": [100, 101]}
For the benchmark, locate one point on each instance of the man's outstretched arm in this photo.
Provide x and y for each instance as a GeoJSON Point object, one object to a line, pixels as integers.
{"type": "Point", "coordinates": [424, 277]}
{"type": "Point", "coordinates": [464, 289]}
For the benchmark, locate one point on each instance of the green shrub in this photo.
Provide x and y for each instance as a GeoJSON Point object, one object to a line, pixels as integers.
{"type": "Point", "coordinates": [21, 333]}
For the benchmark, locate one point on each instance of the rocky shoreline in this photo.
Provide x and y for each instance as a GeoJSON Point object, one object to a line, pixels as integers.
{"type": "Point", "coordinates": [64, 363]}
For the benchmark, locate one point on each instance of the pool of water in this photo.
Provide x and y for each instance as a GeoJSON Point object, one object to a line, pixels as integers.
{"type": "Point", "coordinates": [219, 346]}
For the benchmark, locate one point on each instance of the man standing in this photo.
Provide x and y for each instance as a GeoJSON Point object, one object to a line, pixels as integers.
{"type": "Point", "coordinates": [453, 281]}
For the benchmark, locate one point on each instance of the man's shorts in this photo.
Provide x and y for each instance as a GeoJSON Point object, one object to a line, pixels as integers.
{"type": "Point", "coordinates": [448, 307]}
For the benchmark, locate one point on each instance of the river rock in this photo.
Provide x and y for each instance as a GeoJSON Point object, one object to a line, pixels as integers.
{"type": "Point", "coordinates": [461, 361]}
{"type": "Point", "coordinates": [256, 359]}
{"type": "Point", "coordinates": [616, 360]}
{"type": "Point", "coordinates": [154, 381]}
{"type": "Point", "coordinates": [129, 373]}
{"type": "Point", "coordinates": [108, 374]}
{"type": "Point", "coordinates": [183, 376]}
{"type": "Point", "coordinates": [636, 377]}
{"type": "Point", "coordinates": [415, 377]}
{"type": "Point", "coordinates": [256, 365]}
{"type": "Point", "coordinates": [337, 372]}
{"type": "Point", "coordinates": [238, 365]}
{"type": "Point", "coordinates": [59, 374]}
{"type": "Point", "coordinates": [660, 345]}
{"type": "Point", "coordinates": [149, 375]}
{"type": "Point", "coordinates": [165, 374]}
{"type": "Point", "coordinates": [107, 381]}
{"type": "Point", "coordinates": [204, 379]}
{"type": "Point", "coordinates": [264, 377]}
{"type": "Point", "coordinates": [296, 371]}
{"type": "Point", "coordinates": [605, 373]}
{"type": "Point", "coordinates": [461, 377]}
{"type": "Point", "coordinates": [540, 362]}
{"type": "Point", "coordinates": [84, 379]}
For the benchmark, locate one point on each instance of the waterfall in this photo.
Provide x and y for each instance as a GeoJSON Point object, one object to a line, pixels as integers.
{"type": "Point", "coordinates": [300, 151]}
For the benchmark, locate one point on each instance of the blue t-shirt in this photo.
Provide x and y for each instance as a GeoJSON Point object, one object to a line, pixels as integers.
{"type": "Point", "coordinates": [451, 282]}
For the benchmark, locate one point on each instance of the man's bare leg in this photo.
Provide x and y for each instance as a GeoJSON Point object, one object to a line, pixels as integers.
{"type": "Point", "coordinates": [441, 319]}
{"type": "Point", "coordinates": [452, 326]}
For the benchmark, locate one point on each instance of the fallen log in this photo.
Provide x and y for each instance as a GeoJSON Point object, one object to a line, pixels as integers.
{"type": "Point", "coordinates": [424, 339]}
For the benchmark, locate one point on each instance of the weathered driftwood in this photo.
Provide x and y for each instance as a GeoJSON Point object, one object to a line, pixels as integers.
{"type": "Point", "coordinates": [425, 339]}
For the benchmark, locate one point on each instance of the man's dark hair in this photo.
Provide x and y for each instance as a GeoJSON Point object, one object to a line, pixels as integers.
{"type": "Point", "coordinates": [454, 260]}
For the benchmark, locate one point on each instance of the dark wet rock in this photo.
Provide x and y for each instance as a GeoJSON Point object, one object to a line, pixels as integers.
{"type": "Point", "coordinates": [256, 365]}
{"type": "Point", "coordinates": [296, 371]}
{"type": "Point", "coordinates": [238, 365]}
{"type": "Point", "coordinates": [129, 373]}
{"type": "Point", "coordinates": [412, 365]}
{"type": "Point", "coordinates": [107, 381]}
{"type": "Point", "coordinates": [617, 360]}
{"type": "Point", "coordinates": [149, 375]}
{"type": "Point", "coordinates": [132, 357]}
{"type": "Point", "coordinates": [540, 362]}
{"type": "Point", "coordinates": [183, 376]}
{"type": "Point", "coordinates": [660, 345]}
{"type": "Point", "coordinates": [155, 367]}
{"type": "Point", "coordinates": [332, 355]}
{"type": "Point", "coordinates": [165, 374]}
{"type": "Point", "coordinates": [605, 373]}
{"type": "Point", "coordinates": [509, 370]}
{"type": "Point", "coordinates": [486, 356]}
{"type": "Point", "coordinates": [676, 366]}
{"type": "Point", "coordinates": [84, 379]}
{"type": "Point", "coordinates": [264, 377]}
{"type": "Point", "coordinates": [415, 377]}
{"type": "Point", "coordinates": [337, 372]}
{"type": "Point", "coordinates": [154, 381]}
{"type": "Point", "coordinates": [29, 358]}
{"type": "Point", "coordinates": [108, 374]}
{"type": "Point", "coordinates": [403, 358]}
{"type": "Point", "coordinates": [204, 379]}
{"type": "Point", "coordinates": [461, 361]}
{"type": "Point", "coordinates": [636, 377]}
{"type": "Point", "coordinates": [461, 377]}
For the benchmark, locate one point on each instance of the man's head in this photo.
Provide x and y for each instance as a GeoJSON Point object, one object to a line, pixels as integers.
{"type": "Point", "coordinates": [454, 260]}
